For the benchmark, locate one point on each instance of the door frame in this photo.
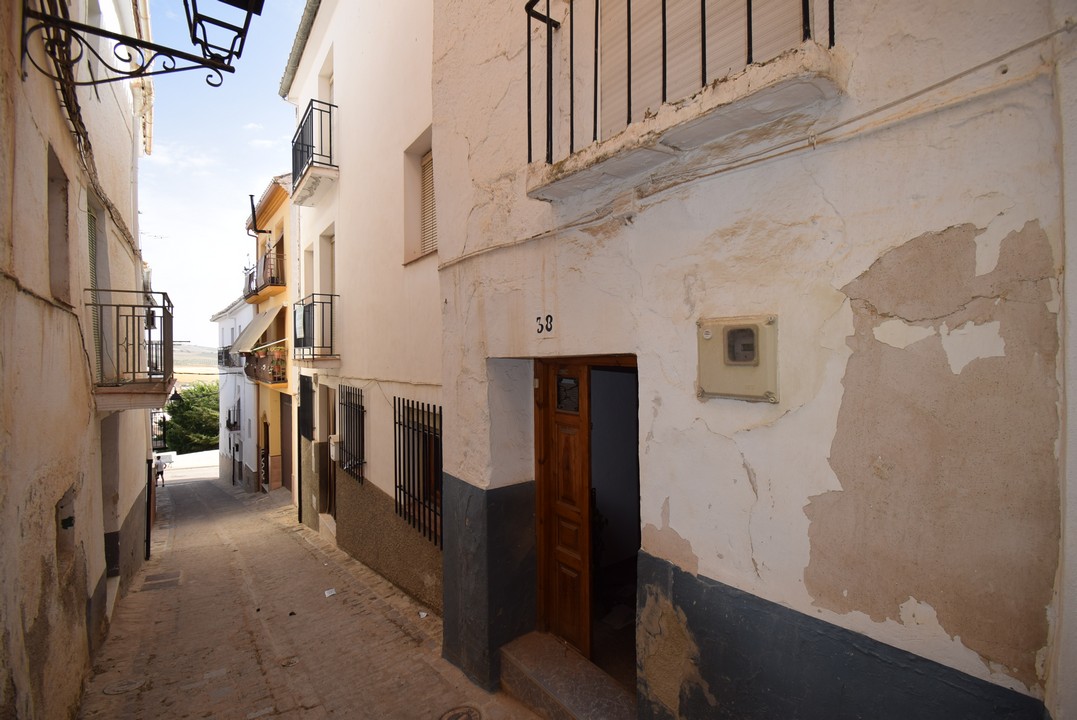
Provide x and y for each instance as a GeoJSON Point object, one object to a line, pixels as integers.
{"type": "Point", "coordinates": [545, 373]}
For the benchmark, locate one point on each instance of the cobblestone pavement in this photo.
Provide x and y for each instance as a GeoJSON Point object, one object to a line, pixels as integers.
{"type": "Point", "coordinates": [232, 618]}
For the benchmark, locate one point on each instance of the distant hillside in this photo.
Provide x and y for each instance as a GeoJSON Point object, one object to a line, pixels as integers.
{"type": "Point", "coordinates": [194, 363]}
{"type": "Point", "coordinates": [194, 356]}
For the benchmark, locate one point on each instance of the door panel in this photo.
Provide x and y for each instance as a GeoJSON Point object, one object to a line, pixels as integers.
{"type": "Point", "coordinates": [564, 492]}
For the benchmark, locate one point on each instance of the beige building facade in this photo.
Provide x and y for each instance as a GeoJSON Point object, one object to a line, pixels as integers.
{"type": "Point", "coordinates": [264, 344]}
{"type": "Point", "coordinates": [85, 353]}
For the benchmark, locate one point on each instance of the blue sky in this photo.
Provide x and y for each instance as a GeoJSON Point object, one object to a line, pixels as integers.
{"type": "Point", "coordinates": [212, 147]}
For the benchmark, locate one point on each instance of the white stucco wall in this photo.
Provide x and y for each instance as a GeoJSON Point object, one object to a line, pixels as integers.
{"type": "Point", "coordinates": [630, 266]}
{"type": "Point", "coordinates": [387, 329]}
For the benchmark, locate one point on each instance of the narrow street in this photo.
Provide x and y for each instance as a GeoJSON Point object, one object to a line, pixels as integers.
{"type": "Point", "coordinates": [243, 613]}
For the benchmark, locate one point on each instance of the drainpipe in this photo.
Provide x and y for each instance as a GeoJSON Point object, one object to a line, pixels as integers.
{"type": "Point", "coordinates": [151, 488]}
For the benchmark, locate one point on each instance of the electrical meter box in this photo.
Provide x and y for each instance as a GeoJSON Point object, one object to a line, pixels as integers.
{"type": "Point", "coordinates": [738, 358]}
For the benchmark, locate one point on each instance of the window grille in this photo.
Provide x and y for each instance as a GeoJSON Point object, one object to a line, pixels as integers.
{"type": "Point", "coordinates": [428, 241]}
{"type": "Point", "coordinates": [306, 407]}
{"type": "Point", "coordinates": [351, 444]}
{"type": "Point", "coordinates": [417, 444]}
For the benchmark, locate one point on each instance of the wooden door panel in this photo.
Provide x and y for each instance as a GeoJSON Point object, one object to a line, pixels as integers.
{"type": "Point", "coordinates": [568, 622]}
{"type": "Point", "coordinates": [568, 538]}
{"type": "Point", "coordinates": [565, 496]}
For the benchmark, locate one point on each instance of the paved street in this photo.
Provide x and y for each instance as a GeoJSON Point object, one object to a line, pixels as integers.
{"type": "Point", "coordinates": [231, 619]}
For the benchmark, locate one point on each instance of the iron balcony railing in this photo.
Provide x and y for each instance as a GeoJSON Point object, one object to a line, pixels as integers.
{"type": "Point", "coordinates": [312, 143]}
{"type": "Point", "coordinates": [227, 358]}
{"type": "Point", "coordinates": [268, 364]}
{"type": "Point", "coordinates": [132, 336]}
{"type": "Point", "coordinates": [643, 53]}
{"type": "Point", "coordinates": [267, 272]}
{"type": "Point", "coordinates": [314, 322]}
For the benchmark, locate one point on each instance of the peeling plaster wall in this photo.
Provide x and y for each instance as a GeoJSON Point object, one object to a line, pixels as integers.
{"type": "Point", "coordinates": [945, 449]}
{"type": "Point", "coordinates": [767, 498]}
{"type": "Point", "coordinates": [53, 599]}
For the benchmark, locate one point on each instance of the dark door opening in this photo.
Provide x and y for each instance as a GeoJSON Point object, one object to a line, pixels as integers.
{"type": "Point", "coordinates": [286, 440]}
{"type": "Point", "coordinates": [615, 521]}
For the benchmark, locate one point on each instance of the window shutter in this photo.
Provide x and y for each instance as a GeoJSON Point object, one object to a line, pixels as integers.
{"type": "Point", "coordinates": [91, 232]}
{"type": "Point", "coordinates": [776, 27]}
{"type": "Point", "coordinates": [428, 241]}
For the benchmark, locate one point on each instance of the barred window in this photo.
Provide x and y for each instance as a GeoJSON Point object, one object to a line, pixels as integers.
{"type": "Point", "coordinates": [417, 444]}
{"type": "Point", "coordinates": [351, 443]}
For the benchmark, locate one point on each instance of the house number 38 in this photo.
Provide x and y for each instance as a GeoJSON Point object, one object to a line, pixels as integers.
{"type": "Point", "coordinates": [545, 324]}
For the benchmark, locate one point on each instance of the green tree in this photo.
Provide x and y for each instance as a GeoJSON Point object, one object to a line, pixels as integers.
{"type": "Point", "coordinates": [193, 423]}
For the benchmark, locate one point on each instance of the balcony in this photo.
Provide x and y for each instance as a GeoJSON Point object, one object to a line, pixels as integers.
{"type": "Point", "coordinates": [265, 279]}
{"type": "Point", "coordinates": [314, 322]}
{"type": "Point", "coordinates": [227, 359]}
{"type": "Point", "coordinates": [132, 338]}
{"type": "Point", "coordinates": [268, 365]}
{"type": "Point", "coordinates": [666, 81]}
{"type": "Point", "coordinates": [314, 165]}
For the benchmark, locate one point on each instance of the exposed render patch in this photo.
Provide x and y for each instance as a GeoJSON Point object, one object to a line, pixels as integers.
{"type": "Point", "coordinates": [665, 542]}
{"type": "Point", "coordinates": [668, 654]}
{"type": "Point", "coordinates": [945, 447]}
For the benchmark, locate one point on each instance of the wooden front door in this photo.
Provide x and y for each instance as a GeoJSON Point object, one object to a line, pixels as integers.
{"type": "Point", "coordinates": [564, 500]}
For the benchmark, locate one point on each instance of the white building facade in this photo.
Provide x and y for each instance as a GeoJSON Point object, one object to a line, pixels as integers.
{"type": "Point", "coordinates": [237, 395]}
{"type": "Point", "coordinates": [367, 318]}
{"type": "Point", "coordinates": [772, 334]}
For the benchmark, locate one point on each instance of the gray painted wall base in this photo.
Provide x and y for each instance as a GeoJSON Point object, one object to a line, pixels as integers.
{"type": "Point", "coordinates": [756, 659]}
{"type": "Point", "coordinates": [489, 573]}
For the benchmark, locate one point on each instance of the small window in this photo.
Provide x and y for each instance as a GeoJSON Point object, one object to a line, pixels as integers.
{"type": "Point", "coordinates": [420, 205]}
{"type": "Point", "coordinates": [59, 253]}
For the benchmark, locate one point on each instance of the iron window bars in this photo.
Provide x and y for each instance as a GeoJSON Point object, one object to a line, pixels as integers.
{"type": "Point", "coordinates": [312, 143]}
{"type": "Point", "coordinates": [417, 445]}
{"type": "Point", "coordinates": [351, 443]}
{"type": "Point", "coordinates": [705, 40]}
{"type": "Point", "coordinates": [133, 338]}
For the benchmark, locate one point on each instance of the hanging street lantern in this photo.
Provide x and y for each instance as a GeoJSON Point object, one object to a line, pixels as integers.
{"type": "Point", "coordinates": [218, 31]}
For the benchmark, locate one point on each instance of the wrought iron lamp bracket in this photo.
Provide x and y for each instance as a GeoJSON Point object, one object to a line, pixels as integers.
{"type": "Point", "coordinates": [64, 42]}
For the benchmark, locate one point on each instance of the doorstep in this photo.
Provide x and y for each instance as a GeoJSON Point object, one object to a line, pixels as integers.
{"type": "Point", "coordinates": [557, 682]}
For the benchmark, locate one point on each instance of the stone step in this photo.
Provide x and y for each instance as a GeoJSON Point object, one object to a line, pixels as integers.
{"type": "Point", "coordinates": [557, 682]}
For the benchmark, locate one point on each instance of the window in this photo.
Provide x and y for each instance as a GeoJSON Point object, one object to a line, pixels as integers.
{"type": "Point", "coordinates": [417, 445]}
{"type": "Point", "coordinates": [420, 206]}
{"type": "Point", "coordinates": [59, 255]}
{"type": "Point", "coordinates": [351, 443]}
